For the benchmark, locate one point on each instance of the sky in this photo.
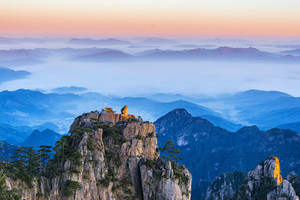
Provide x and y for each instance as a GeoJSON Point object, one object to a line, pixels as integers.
{"type": "Point", "coordinates": [192, 18]}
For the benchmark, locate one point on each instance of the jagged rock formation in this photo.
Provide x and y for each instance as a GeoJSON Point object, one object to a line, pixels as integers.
{"type": "Point", "coordinates": [225, 186]}
{"type": "Point", "coordinates": [112, 157]}
{"type": "Point", "coordinates": [265, 182]}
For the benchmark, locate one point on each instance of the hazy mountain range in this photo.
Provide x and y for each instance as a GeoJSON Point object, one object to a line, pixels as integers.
{"type": "Point", "coordinates": [103, 54]}
{"type": "Point", "coordinates": [266, 109]}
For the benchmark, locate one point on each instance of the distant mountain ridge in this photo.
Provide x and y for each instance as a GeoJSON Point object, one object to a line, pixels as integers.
{"type": "Point", "coordinates": [225, 53]}
{"type": "Point", "coordinates": [109, 41]}
{"type": "Point", "coordinates": [220, 53]}
{"type": "Point", "coordinates": [209, 151]}
{"type": "Point", "coordinates": [7, 74]}
{"type": "Point", "coordinates": [107, 55]}
{"type": "Point", "coordinates": [37, 138]}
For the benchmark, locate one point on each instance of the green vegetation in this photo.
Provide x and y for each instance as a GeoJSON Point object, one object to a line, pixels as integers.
{"type": "Point", "coordinates": [71, 188]}
{"type": "Point", "coordinates": [150, 163]}
{"type": "Point", "coordinates": [27, 164]}
{"type": "Point", "coordinates": [150, 135]}
{"type": "Point", "coordinates": [4, 192]}
{"type": "Point", "coordinates": [44, 156]}
{"type": "Point", "coordinates": [172, 152]}
{"type": "Point", "coordinates": [267, 185]}
{"type": "Point", "coordinates": [105, 182]}
{"type": "Point", "coordinates": [139, 137]}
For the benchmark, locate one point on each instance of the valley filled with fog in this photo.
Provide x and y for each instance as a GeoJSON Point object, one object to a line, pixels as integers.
{"type": "Point", "coordinates": [138, 78]}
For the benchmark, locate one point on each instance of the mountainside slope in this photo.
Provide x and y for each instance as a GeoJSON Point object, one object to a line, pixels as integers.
{"type": "Point", "coordinates": [210, 151]}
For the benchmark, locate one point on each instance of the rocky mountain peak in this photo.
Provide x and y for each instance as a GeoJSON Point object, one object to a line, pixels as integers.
{"type": "Point", "coordinates": [265, 182]}
{"type": "Point", "coordinates": [179, 113]}
{"type": "Point", "coordinates": [110, 157]}
{"type": "Point", "coordinates": [248, 129]}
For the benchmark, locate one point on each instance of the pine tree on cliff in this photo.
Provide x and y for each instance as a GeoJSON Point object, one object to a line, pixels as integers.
{"type": "Point", "coordinates": [32, 161]}
{"type": "Point", "coordinates": [18, 162]}
{"type": "Point", "coordinates": [172, 152]}
{"type": "Point", "coordinates": [44, 156]}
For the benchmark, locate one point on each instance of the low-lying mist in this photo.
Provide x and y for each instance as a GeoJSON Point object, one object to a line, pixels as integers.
{"type": "Point", "coordinates": [137, 78]}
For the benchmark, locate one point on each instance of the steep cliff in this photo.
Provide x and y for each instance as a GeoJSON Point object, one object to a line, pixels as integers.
{"type": "Point", "coordinates": [265, 182]}
{"type": "Point", "coordinates": [109, 156]}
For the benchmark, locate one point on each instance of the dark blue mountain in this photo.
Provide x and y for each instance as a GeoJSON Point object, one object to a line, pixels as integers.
{"type": "Point", "coordinates": [23, 107]}
{"type": "Point", "coordinates": [7, 150]}
{"type": "Point", "coordinates": [14, 135]}
{"type": "Point", "coordinates": [209, 151]}
{"type": "Point", "coordinates": [37, 138]}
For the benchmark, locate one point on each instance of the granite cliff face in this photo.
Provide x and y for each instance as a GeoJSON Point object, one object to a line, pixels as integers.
{"type": "Point", "coordinates": [112, 157]}
{"type": "Point", "coordinates": [265, 182]}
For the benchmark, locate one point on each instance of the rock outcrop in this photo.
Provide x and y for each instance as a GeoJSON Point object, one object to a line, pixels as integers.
{"type": "Point", "coordinates": [265, 182]}
{"type": "Point", "coordinates": [112, 157]}
{"type": "Point", "coordinates": [124, 110]}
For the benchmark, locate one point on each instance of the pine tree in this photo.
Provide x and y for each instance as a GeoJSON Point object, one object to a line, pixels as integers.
{"type": "Point", "coordinates": [19, 158]}
{"type": "Point", "coordinates": [32, 161]}
{"type": "Point", "coordinates": [172, 152]}
{"type": "Point", "coordinates": [62, 148]}
{"type": "Point", "coordinates": [44, 157]}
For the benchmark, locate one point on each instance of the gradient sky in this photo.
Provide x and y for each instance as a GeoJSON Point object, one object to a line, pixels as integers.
{"type": "Point", "coordinates": [278, 18]}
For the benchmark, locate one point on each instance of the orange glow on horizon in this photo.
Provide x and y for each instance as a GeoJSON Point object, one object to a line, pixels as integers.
{"type": "Point", "coordinates": [118, 21]}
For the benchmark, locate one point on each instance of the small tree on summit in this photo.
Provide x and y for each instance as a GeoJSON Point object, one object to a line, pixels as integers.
{"type": "Point", "coordinates": [172, 152]}
{"type": "Point", "coordinates": [108, 110]}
